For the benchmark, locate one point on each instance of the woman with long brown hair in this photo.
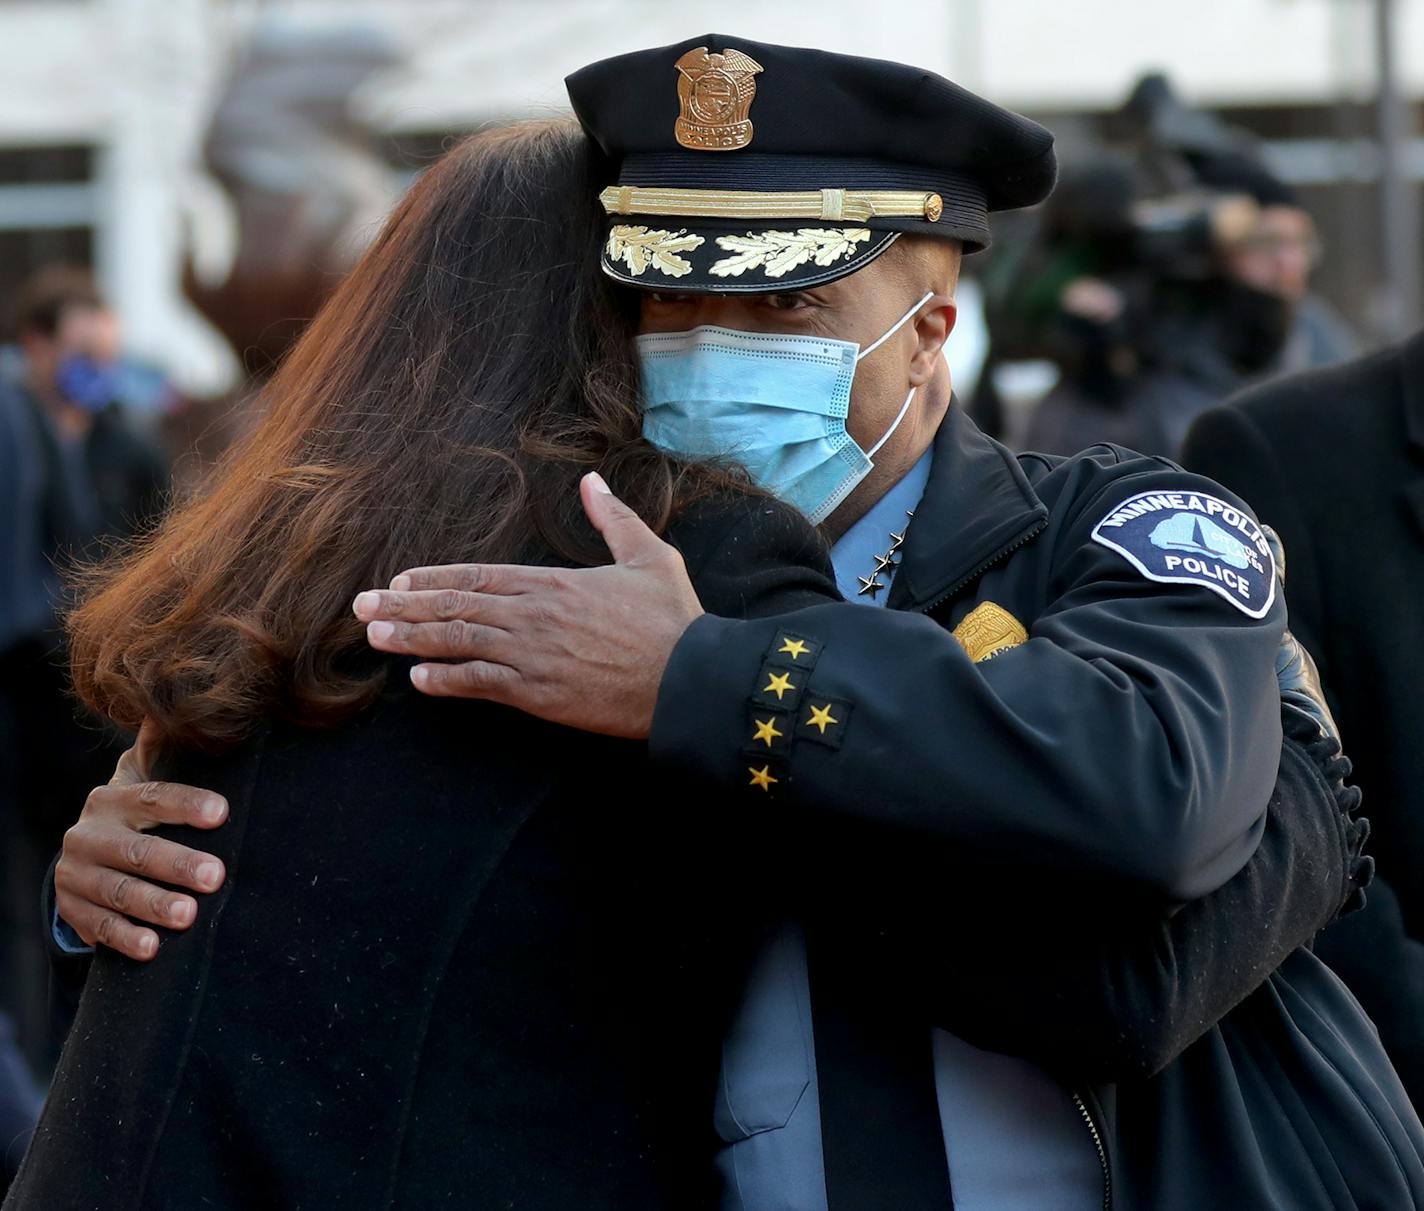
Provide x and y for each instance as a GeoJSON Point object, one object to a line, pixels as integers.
{"type": "Point", "coordinates": [462, 957]}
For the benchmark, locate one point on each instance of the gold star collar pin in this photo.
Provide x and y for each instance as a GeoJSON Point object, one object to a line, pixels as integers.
{"type": "Point", "coordinates": [885, 565]}
{"type": "Point", "coordinates": [871, 584]}
{"type": "Point", "coordinates": [822, 718]}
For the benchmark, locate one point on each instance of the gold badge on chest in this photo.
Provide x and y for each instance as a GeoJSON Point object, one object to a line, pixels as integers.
{"type": "Point", "coordinates": [987, 630]}
{"type": "Point", "coordinates": [716, 93]}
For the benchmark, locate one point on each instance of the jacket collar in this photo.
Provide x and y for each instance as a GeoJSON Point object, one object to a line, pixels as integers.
{"type": "Point", "coordinates": [978, 505]}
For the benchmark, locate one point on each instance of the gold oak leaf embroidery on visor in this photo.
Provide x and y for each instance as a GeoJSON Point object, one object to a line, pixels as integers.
{"type": "Point", "coordinates": [641, 249]}
{"type": "Point", "coordinates": [777, 253]}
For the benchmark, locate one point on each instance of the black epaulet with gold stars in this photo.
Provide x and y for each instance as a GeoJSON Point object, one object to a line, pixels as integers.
{"type": "Point", "coordinates": [782, 710]}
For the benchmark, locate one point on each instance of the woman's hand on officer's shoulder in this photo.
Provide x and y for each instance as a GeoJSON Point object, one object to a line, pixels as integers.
{"type": "Point", "coordinates": [584, 647]}
{"type": "Point", "coordinates": [101, 880]}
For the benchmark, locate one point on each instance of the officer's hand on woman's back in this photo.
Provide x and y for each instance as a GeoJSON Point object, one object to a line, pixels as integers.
{"type": "Point", "coordinates": [101, 881]}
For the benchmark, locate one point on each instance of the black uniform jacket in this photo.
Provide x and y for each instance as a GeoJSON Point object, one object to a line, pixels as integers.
{"type": "Point", "coordinates": [1087, 742]}
{"type": "Point", "coordinates": [465, 959]}
{"type": "Point", "coordinates": [1334, 460]}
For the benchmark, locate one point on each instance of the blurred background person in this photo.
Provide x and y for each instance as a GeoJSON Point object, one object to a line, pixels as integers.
{"type": "Point", "coordinates": [77, 474]}
{"type": "Point", "coordinates": [1276, 254]}
{"type": "Point", "coordinates": [23, 613]}
{"type": "Point", "coordinates": [71, 377]}
{"type": "Point", "coordinates": [88, 431]}
{"type": "Point", "coordinates": [1334, 460]}
{"type": "Point", "coordinates": [20, 1099]}
{"type": "Point", "coordinates": [1166, 273]}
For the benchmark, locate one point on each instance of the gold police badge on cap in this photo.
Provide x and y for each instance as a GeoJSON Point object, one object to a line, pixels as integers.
{"type": "Point", "coordinates": [716, 92]}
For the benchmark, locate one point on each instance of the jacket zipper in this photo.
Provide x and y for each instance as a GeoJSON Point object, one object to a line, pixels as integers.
{"type": "Point", "coordinates": [1023, 538]}
{"type": "Point", "coordinates": [1102, 1152]}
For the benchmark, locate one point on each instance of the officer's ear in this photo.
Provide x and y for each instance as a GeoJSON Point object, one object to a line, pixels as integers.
{"type": "Point", "coordinates": [932, 328]}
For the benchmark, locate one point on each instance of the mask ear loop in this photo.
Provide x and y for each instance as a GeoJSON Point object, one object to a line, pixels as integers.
{"type": "Point", "coordinates": [890, 432]}
{"type": "Point", "coordinates": [905, 407]}
{"type": "Point", "coordinates": [894, 328]}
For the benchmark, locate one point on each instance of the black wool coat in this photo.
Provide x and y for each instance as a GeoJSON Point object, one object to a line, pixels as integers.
{"type": "Point", "coordinates": [463, 958]}
{"type": "Point", "coordinates": [1334, 460]}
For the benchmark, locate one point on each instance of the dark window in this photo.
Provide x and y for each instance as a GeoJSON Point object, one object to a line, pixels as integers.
{"type": "Point", "coordinates": [23, 251]}
{"type": "Point", "coordinates": [27, 240]}
{"type": "Point", "coordinates": [46, 165]}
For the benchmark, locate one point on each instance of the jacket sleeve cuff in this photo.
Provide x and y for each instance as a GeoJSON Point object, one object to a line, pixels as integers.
{"type": "Point", "coordinates": [61, 941]}
{"type": "Point", "coordinates": [65, 939]}
{"type": "Point", "coordinates": [705, 723]}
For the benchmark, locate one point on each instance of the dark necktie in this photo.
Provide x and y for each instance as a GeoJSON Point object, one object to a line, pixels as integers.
{"type": "Point", "coordinates": [880, 1125]}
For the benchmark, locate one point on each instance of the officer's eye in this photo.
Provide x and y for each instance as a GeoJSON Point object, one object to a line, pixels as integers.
{"type": "Point", "coordinates": [786, 302]}
{"type": "Point", "coordinates": [665, 297]}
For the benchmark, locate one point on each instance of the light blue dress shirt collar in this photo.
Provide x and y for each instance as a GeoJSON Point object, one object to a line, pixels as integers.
{"type": "Point", "coordinates": [855, 553]}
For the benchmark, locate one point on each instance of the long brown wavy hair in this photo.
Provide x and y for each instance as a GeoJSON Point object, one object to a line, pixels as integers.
{"type": "Point", "coordinates": [440, 408]}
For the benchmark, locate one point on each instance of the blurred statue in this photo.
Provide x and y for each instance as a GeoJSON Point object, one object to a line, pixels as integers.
{"type": "Point", "coordinates": [308, 187]}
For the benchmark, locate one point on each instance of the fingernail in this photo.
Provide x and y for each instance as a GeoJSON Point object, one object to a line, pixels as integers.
{"type": "Point", "coordinates": [378, 631]}
{"type": "Point", "coordinates": [401, 583]}
{"type": "Point", "coordinates": [366, 602]}
{"type": "Point", "coordinates": [598, 484]}
{"type": "Point", "coordinates": [420, 676]}
{"type": "Point", "coordinates": [147, 945]}
{"type": "Point", "coordinates": [207, 874]}
{"type": "Point", "coordinates": [213, 809]}
{"type": "Point", "coordinates": [182, 912]}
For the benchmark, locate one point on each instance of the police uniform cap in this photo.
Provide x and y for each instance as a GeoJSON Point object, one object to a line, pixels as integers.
{"type": "Point", "coordinates": [742, 166]}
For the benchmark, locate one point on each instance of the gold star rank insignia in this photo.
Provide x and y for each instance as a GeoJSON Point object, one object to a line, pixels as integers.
{"type": "Point", "coordinates": [824, 722]}
{"type": "Point", "coordinates": [780, 684]}
{"type": "Point", "coordinates": [793, 652]}
{"type": "Point", "coordinates": [762, 777]}
{"type": "Point", "coordinates": [766, 731]}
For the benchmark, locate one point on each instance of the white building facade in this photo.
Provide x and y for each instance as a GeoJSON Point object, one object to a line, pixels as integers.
{"type": "Point", "coordinates": [132, 82]}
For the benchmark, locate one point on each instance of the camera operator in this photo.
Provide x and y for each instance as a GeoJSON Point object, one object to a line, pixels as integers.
{"type": "Point", "coordinates": [1164, 276]}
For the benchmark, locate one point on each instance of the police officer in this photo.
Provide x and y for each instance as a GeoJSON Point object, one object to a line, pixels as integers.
{"type": "Point", "coordinates": [1071, 692]}
{"type": "Point", "coordinates": [1075, 672]}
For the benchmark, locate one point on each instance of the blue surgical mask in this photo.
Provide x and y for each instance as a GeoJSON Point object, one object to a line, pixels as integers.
{"type": "Point", "coordinates": [86, 382]}
{"type": "Point", "coordinates": [775, 404]}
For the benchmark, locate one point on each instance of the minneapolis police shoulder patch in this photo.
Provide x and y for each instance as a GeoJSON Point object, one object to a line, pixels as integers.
{"type": "Point", "coordinates": [1193, 538]}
